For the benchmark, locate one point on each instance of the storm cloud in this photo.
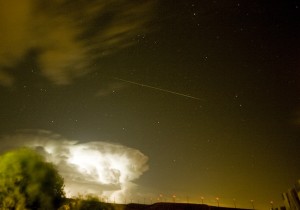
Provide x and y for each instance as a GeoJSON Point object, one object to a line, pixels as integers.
{"type": "Point", "coordinates": [101, 168]}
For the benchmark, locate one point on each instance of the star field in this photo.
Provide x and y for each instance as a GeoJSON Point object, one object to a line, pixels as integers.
{"type": "Point", "coordinates": [108, 74]}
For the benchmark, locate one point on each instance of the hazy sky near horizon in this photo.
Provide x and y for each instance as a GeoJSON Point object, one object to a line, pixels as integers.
{"type": "Point", "coordinates": [198, 98]}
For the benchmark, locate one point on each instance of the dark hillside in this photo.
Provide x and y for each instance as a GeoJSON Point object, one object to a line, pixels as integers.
{"type": "Point", "coordinates": [174, 206]}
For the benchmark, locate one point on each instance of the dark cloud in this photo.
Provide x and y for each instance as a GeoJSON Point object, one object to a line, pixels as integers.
{"type": "Point", "coordinates": [67, 35]}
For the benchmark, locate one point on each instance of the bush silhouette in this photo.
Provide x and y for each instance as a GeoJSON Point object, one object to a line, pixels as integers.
{"type": "Point", "coordinates": [86, 203]}
{"type": "Point", "coordinates": [28, 182]}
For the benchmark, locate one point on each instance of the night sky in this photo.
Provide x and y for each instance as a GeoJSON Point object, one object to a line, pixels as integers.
{"type": "Point", "coordinates": [206, 91]}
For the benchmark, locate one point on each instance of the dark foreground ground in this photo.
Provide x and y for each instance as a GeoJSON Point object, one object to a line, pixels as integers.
{"type": "Point", "coordinates": [169, 206]}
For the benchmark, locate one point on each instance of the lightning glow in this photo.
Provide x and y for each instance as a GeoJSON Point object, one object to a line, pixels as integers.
{"type": "Point", "coordinates": [99, 168]}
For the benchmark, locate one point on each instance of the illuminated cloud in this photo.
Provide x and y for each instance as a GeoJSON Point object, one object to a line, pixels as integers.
{"type": "Point", "coordinates": [100, 168]}
{"type": "Point", "coordinates": [67, 36]}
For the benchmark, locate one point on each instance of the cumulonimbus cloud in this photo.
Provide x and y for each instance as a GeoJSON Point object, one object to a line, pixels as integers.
{"type": "Point", "coordinates": [101, 168]}
{"type": "Point", "coordinates": [66, 36]}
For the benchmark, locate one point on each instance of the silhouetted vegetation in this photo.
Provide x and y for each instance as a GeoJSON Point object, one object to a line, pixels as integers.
{"type": "Point", "coordinates": [28, 182]}
{"type": "Point", "coordinates": [86, 203]}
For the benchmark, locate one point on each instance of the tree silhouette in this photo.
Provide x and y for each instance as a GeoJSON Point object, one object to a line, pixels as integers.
{"type": "Point", "coordinates": [28, 182]}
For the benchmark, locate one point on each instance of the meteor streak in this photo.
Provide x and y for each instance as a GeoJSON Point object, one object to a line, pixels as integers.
{"type": "Point", "coordinates": [159, 89]}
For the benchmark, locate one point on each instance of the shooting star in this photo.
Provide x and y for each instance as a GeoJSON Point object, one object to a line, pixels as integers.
{"type": "Point", "coordinates": [159, 89]}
